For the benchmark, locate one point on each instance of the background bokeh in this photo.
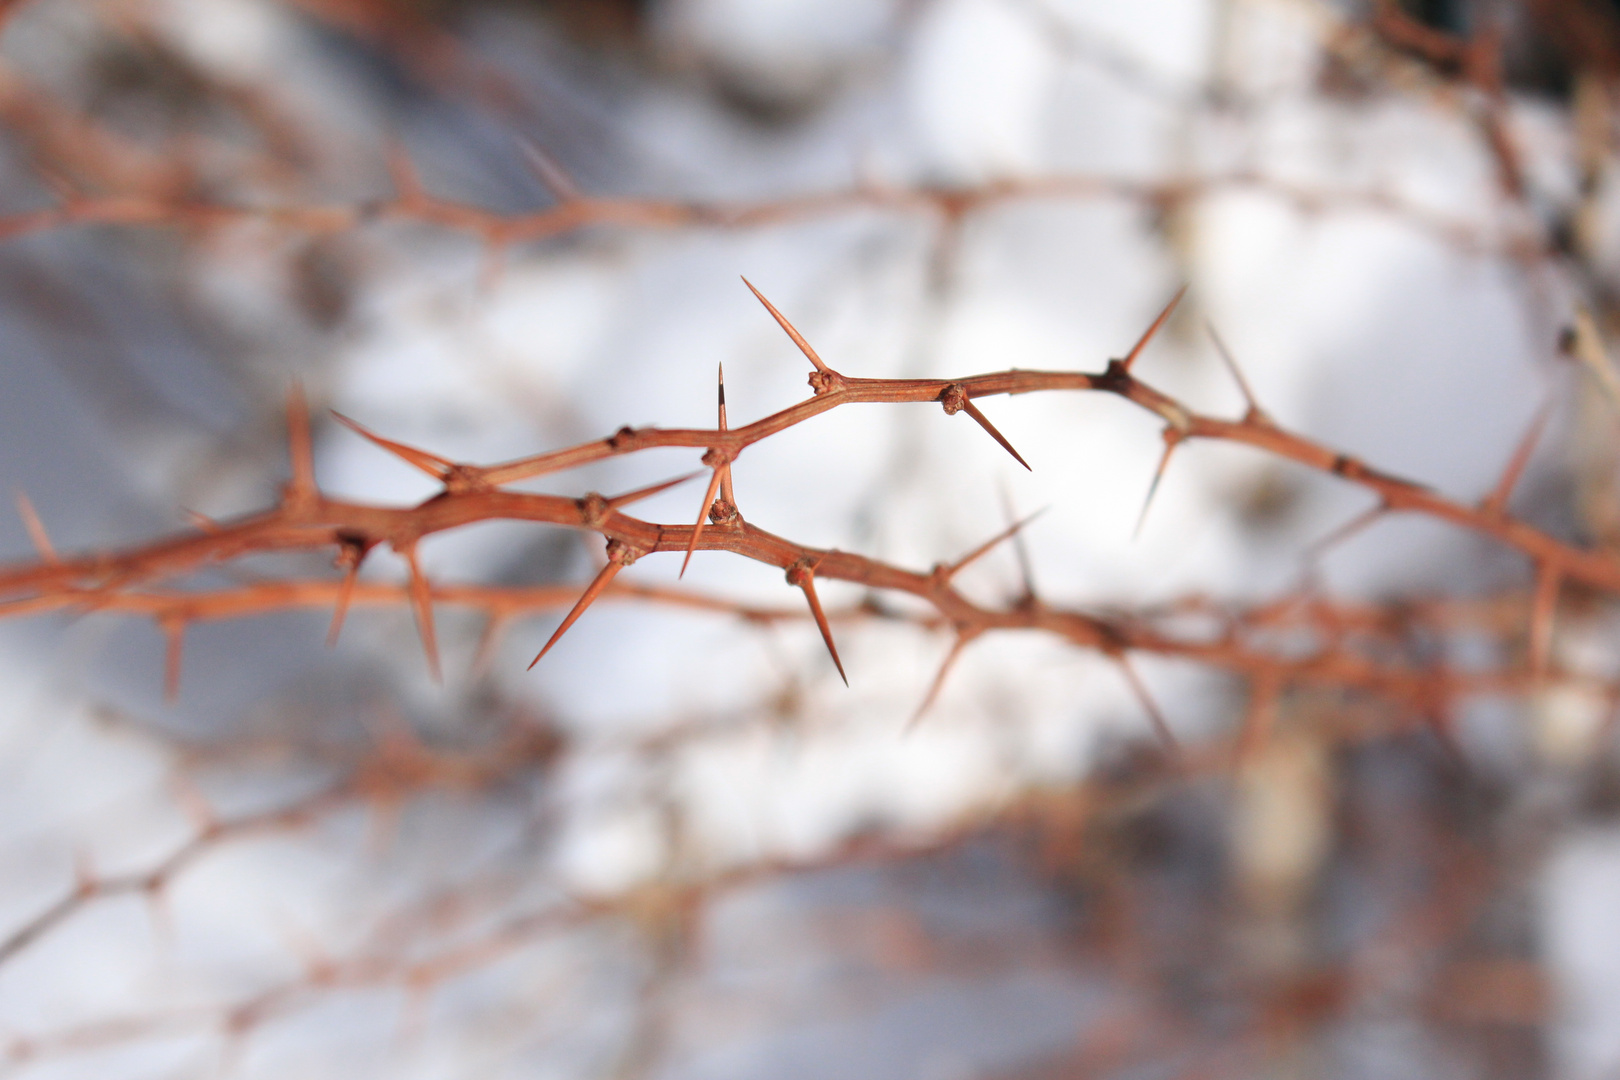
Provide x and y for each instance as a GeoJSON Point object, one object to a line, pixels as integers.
{"type": "Point", "coordinates": [680, 847]}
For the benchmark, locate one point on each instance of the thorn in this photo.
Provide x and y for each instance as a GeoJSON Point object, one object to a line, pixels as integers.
{"type": "Point", "coordinates": [985, 548]}
{"type": "Point", "coordinates": [648, 492]}
{"type": "Point", "coordinates": [202, 522]}
{"type": "Point", "coordinates": [984, 422]}
{"type": "Point", "coordinates": [402, 171]}
{"type": "Point", "coordinates": [1026, 569]}
{"type": "Point", "coordinates": [1496, 502]}
{"type": "Point", "coordinates": [725, 470]}
{"type": "Point", "coordinates": [1543, 608]}
{"type": "Point", "coordinates": [1255, 413]}
{"type": "Point", "coordinates": [488, 641]}
{"type": "Point", "coordinates": [798, 338]}
{"type": "Point", "coordinates": [422, 608]}
{"type": "Point", "coordinates": [802, 575]}
{"type": "Point", "coordinates": [432, 464]}
{"type": "Point", "coordinates": [1164, 316]}
{"type": "Point", "coordinates": [1172, 439]}
{"type": "Point", "coordinates": [1154, 715]}
{"type": "Point", "coordinates": [36, 528]}
{"type": "Point", "coordinates": [586, 599]}
{"type": "Point", "coordinates": [174, 631]}
{"type": "Point", "coordinates": [702, 519]}
{"type": "Point", "coordinates": [1315, 551]}
{"type": "Point", "coordinates": [962, 638]}
{"type": "Point", "coordinates": [551, 174]}
{"type": "Point", "coordinates": [301, 489]}
{"type": "Point", "coordinates": [340, 610]}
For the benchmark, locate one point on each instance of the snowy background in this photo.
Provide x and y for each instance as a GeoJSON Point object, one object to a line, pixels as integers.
{"type": "Point", "coordinates": [1341, 221]}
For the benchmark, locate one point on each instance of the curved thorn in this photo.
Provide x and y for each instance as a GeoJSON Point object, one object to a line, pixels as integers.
{"type": "Point", "coordinates": [430, 463]}
{"type": "Point", "coordinates": [798, 338]}
{"type": "Point", "coordinates": [703, 517]}
{"type": "Point", "coordinates": [588, 597]}
{"type": "Point", "coordinates": [984, 422]}
{"type": "Point", "coordinates": [1158, 324]}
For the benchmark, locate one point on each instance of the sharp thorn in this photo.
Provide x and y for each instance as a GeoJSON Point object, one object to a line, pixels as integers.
{"type": "Point", "coordinates": [1160, 726]}
{"type": "Point", "coordinates": [985, 548]}
{"type": "Point", "coordinates": [939, 680]}
{"type": "Point", "coordinates": [1158, 324]}
{"type": "Point", "coordinates": [984, 422]}
{"type": "Point", "coordinates": [340, 610]}
{"type": "Point", "coordinates": [588, 597]}
{"type": "Point", "coordinates": [725, 470]}
{"type": "Point", "coordinates": [798, 338]}
{"type": "Point", "coordinates": [1255, 411]}
{"type": "Point", "coordinates": [648, 492]}
{"type": "Point", "coordinates": [1497, 501]}
{"type": "Point", "coordinates": [1170, 445]}
{"type": "Point", "coordinates": [1026, 568]}
{"type": "Point", "coordinates": [807, 582]}
{"type": "Point", "coordinates": [551, 174]}
{"type": "Point", "coordinates": [300, 449]}
{"type": "Point", "coordinates": [36, 528]}
{"type": "Point", "coordinates": [432, 464]}
{"type": "Point", "coordinates": [702, 520]}
{"type": "Point", "coordinates": [422, 608]}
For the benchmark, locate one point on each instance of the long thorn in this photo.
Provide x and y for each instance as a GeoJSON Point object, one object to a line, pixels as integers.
{"type": "Point", "coordinates": [299, 447]}
{"type": "Point", "coordinates": [1255, 411]}
{"type": "Point", "coordinates": [1319, 548]}
{"type": "Point", "coordinates": [985, 548]}
{"type": "Point", "coordinates": [808, 584]}
{"type": "Point", "coordinates": [1543, 609]}
{"type": "Point", "coordinates": [488, 641]}
{"type": "Point", "coordinates": [551, 174]}
{"type": "Point", "coordinates": [1496, 502]}
{"type": "Point", "coordinates": [648, 492]}
{"type": "Point", "coordinates": [702, 519]}
{"type": "Point", "coordinates": [586, 599]}
{"type": "Point", "coordinates": [939, 680]}
{"type": "Point", "coordinates": [340, 610]}
{"type": "Point", "coordinates": [174, 633]}
{"type": "Point", "coordinates": [1171, 441]}
{"type": "Point", "coordinates": [1160, 726]}
{"type": "Point", "coordinates": [1158, 324]}
{"type": "Point", "coordinates": [1026, 568]}
{"type": "Point", "coordinates": [422, 608]}
{"type": "Point", "coordinates": [984, 422]}
{"type": "Point", "coordinates": [36, 528]}
{"type": "Point", "coordinates": [725, 470]}
{"type": "Point", "coordinates": [432, 464]}
{"type": "Point", "coordinates": [798, 338]}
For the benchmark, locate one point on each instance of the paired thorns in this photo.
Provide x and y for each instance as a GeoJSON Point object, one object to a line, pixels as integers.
{"type": "Point", "coordinates": [798, 338]}
{"type": "Point", "coordinates": [619, 555]}
{"type": "Point", "coordinates": [803, 575]}
{"type": "Point", "coordinates": [1147, 336]}
{"type": "Point", "coordinates": [1496, 502]}
{"type": "Point", "coordinates": [1255, 414]}
{"type": "Point", "coordinates": [435, 466]}
{"type": "Point", "coordinates": [955, 399]}
{"type": "Point", "coordinates": [36, 529]}
{"type": "Point", "coordinates": [1172, 439]}
{"type": "Point", "coordinates": [720, 481]}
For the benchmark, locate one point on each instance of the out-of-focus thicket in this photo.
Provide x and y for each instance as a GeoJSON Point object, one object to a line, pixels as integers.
{"type": "Point", "coordinates": [1307, 768]}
